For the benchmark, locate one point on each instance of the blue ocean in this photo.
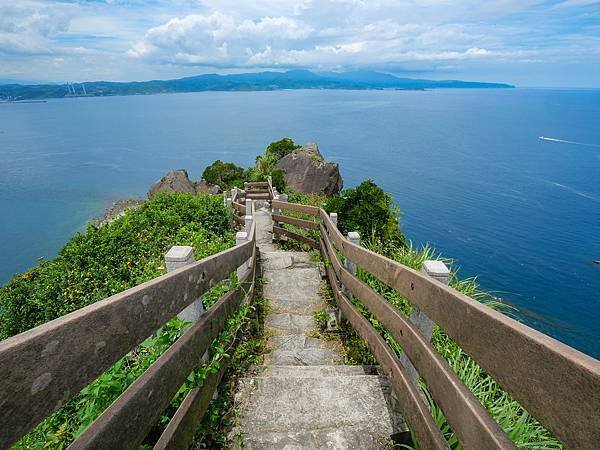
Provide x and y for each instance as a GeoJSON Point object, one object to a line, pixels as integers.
{"type": "Point", "coordinates": [506, 183]}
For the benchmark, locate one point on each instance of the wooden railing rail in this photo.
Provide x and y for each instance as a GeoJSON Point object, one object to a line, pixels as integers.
{"type": "Point", "coordinates": [557, 384]}
{"type": "Point", "coordinates": [42, 368]}
{"type": "Point", "coordinates": [127, 421]}
{"type": "Point", "coordinates": [465, 414]}
{"type": "Point", "coordinates": [306, 209]}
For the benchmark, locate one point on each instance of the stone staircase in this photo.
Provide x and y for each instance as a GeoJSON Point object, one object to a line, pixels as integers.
{"type": "Point", "coordinates": [304, 397]}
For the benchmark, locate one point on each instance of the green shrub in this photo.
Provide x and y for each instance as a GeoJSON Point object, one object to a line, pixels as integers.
{"type": "Point", "coordinates": [368, 210]}
{"type": "Point", "coordinates": [225, 174]}
{"type": "Point", "coordinates": [104, 261]}
{"type": "Point", "coordinates": [281, 148]}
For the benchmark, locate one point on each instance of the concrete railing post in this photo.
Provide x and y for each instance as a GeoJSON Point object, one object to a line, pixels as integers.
{"type": "Point", "coordinates": [281, 198]}
{"type": "Point", "coordinates": [440, 272]}
{"type": "Point", "coordinates": [233, 193]}
{"type": "Point", "coordinates": [241, 237]}
{"type": "Point", "coordinates": [353, 237]}
{"type": "Point", "coordinates": [333, 217]}
{"type": "Point", "coordinates": [228, 202]}
{"type": "Point", "coordinates": [179, 256]}
{"type": "Point", "coordinates": [248, 224]}
{"type": "Point", "coordinates": [249, 207]}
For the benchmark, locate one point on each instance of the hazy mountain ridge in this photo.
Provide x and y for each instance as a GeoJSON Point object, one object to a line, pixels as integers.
{"type": "Point", "coordinates": [260, 81]}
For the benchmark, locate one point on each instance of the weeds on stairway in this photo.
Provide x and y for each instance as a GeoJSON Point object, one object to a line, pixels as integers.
{"type": "Point", "coordinates": [356, 351]}
{"type": "Point", "coordinates": [221, 416]}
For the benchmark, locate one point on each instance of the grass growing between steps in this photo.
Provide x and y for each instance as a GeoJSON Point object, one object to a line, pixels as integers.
{"type": "Point", "coordinates": [221, 416]}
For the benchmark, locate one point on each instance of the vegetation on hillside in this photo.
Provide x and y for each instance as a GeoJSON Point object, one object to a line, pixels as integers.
{"type": "Point", "coordinates": [105, 260]}
{"type": "Point", "coordinates": [225, 174]}
{"type": "Point", "coordinates": [228, 175]}
{"type": "Point", "coordinates": [369, 210]}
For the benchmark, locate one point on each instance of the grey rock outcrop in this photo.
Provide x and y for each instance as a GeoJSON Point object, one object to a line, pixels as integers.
{"type": "Point", "coordinates": [307, 171]}
{"type": "Point", "coordinates": [179, 181]}
{"type": "Point", "coordinates": [204, 187]}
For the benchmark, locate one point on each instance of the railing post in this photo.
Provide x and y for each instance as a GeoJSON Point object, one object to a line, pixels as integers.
{"type": "Point", "coordinates": [440, 272]}
{"type": "Point", "coordinates": [241, 237]}
{"type": "Point", "coordinates": [179, 256]}
{"type": "Point", "coordinates": [249, 207]}
{"type": "Point", "coordinates": [281, 198]}
{"type": "Point", "coordinates": [353, 237]}
{"type": "Point", "coordinates": [333, 216]}
{"type": "Point", "coordinates": [248, 224]}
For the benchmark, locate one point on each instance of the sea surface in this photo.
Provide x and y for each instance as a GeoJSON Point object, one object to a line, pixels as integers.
{"type": "Point", "coordinates": [467, 167]}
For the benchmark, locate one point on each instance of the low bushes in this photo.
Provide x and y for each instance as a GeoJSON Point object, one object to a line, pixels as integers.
{"type": "Point", "coordinates": [103, 261]}
{"type": "Point", "coordinates": [369, 210]}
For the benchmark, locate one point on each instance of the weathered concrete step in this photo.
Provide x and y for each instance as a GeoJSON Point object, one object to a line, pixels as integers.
{"type": "Point", "coordinates": [326, 438]}
{"type": "Point", "coordinates": [300, 350]}
{"type": "Point", "coordinates": [313, 371]}
{"type": "Point", "coordinates": [286, 323]}
{"type": "Point", "coordinates": [349, 412]}
{"type": "Point", "coordinates": [294, 291]}
{"type": "Point", "coordinates": [284, 260]}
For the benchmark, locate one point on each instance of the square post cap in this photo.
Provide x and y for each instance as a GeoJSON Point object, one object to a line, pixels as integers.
{"type": "Point", "coordinates": [179, 253]}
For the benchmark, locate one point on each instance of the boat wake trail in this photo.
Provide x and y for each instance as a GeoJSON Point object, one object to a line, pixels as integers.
{"type": "Point", "coordinates": [544, 138]}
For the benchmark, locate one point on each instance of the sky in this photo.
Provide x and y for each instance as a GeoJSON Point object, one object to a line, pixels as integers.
{"type": "Point", "coordinates": [523, 42]}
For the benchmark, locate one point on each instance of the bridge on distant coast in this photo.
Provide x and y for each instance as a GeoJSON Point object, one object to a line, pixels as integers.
{"type": "Point", "coordinates": [304, 396]}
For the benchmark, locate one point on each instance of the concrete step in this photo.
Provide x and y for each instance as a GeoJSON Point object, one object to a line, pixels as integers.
{"type": "Point", "coordinates": [286, 323]}
{"type": "Point", "coordinates": [313, 371]}
{"type": "Point", "coordinates": [301, 350]}
{"type": "Point", "coordinates": [306, 412]}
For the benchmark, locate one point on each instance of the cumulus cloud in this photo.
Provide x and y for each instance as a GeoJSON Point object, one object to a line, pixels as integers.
{"type": "Point", "coordinates": [29, 27]}
{"type": "Point", "coordinates": [225, 40]}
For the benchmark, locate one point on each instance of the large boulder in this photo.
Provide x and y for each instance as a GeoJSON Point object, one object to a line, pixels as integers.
{"type": "Point", "coordinates": [204, 187]}
{"type": "Point", "coordinates": [307, 171]}
{"type": "Point", "coordinates": [173, 181]}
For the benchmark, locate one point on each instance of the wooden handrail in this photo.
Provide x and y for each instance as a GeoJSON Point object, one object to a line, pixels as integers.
{"type": "Point", "coordinates": [127, 421]}
{"type": "Point", "coordinates": [307, 224]}
{"type": "Point", "coordinates": [557, 384]}
{"type": "Point", "coordinates": [238, 207]}
{"type": "Point", "coordinates": [306, 209]}
{"type": "Point", "coordinates": [257, 184]}
{"type": "Point", "coordinates": [42, 368]}
{"type": "Point", "coordinates": [417, 413]}
{"type": "Point", "coordinates": [279, 231]}
{"type": "Point", "coordinates": [465, 414]}
{"type": "Point", "coordinates": [185, 422]}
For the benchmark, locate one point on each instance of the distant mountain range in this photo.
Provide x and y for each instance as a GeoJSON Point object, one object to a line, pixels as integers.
{"type": "Point", "coordinates": [261, 81]}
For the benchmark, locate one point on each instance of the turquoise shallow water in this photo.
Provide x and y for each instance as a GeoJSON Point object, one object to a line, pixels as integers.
{"type": "Point", "coordinates": [467, 167]}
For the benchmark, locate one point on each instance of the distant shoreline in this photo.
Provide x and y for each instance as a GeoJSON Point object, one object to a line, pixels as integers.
{"type": "Point", "coordinates": [245, 82]}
